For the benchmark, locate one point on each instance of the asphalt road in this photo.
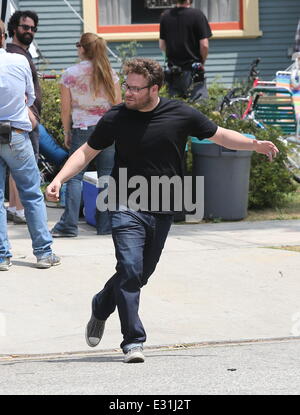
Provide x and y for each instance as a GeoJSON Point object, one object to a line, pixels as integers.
{"type": "Point", "coordinates": [247, 368]}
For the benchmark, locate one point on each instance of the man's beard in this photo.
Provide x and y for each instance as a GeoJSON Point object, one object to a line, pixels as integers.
{"type": "Point", "coordinates": [140, 105]}
{"type": "Point", "coordinates": [24, 38]}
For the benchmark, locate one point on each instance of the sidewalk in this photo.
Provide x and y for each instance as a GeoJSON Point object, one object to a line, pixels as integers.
{"type": "Point", "coordinates": [215, 282]}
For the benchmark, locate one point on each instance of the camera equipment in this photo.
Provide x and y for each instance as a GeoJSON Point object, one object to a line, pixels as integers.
{"type": "Point", "coordinates": [5, 132]}
{"type": "Point", "coordinates": [197, 72]}
{"type": "Point", "coordinates": [172, 71]}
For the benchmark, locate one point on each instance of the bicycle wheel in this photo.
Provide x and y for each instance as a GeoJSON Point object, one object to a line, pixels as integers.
{"type": "Point", "coordinates": [235, 108]}
{"type": "Point", "coordinates": [47, 171]}
{"type": "Point", "coordinates": [293, 161]}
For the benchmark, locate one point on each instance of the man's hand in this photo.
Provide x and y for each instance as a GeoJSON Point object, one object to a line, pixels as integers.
{"type": "Point", "coordinates": [32, 118]}
{"type": "Point", "coordinates": [266, 147]}
{"type": "Point", "coordinates": [52, 191]}
{"type": "Point", "coordinates": [67, 139]}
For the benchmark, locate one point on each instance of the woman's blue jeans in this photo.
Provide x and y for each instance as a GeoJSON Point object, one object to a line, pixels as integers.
{"type": "Point", "coordinates": [139, 238]}
{"type": "Point", "coordinates": [19, 158]}
{"type": "Point", "coordinates": [68, 222]}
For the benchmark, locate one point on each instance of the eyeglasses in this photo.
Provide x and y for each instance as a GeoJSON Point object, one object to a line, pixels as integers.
{"type": "Point", "coordinates": [27, 27]}
{"type": "Point", "coordinates": [4, 34]}
{"type": "Point", "coordinates": [78, 45]}
{"type": "Point", "coordinates": [134, 89]}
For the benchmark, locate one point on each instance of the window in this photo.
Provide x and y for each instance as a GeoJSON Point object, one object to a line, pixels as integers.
{"type": "Point", "coordinates": [219, 11]}
{"type": "Point", "coordinates": [139, 19]}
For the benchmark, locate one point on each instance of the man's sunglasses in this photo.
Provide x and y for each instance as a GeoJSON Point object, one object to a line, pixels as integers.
{"type": "Point", "coordinates": [27, 27]}
{"type": "Point", "coordinates": [78, 45]}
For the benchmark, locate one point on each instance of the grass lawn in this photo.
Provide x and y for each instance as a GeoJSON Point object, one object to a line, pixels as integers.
{"type": "Point", "coordinates": [290, 211]}
{"type": "Point", "coordinates": [295, 248]}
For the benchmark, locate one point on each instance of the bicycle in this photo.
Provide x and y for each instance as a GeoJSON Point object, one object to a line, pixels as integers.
{"type": "Point", "coordinates": [242, 107]}
{"type": "Point", "coordinates": [238, 102]}
{"type": "Point", "coordinates": [292, 162]}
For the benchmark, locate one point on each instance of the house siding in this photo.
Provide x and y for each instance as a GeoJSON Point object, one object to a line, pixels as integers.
{"type": "Point", "coordinates": [228, 61]}
{"type": "Point", "coordinates": [59, 29]}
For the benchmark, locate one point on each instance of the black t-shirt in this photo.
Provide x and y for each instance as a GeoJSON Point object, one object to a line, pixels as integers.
{"type": "Point", "coordinates": [182, 28]}
{"type": "Point", "coordinates": [150, 143]}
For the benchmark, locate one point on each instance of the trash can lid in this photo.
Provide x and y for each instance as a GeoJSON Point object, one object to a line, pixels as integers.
{"type": "Point", "coordinates": [90, 177]}
{"type": "Point", "coordinates": [250, 136]}
{"type": "Point", "coordinates": [204, 141]}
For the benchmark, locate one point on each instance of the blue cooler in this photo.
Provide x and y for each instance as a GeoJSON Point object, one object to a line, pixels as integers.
{"type": "Point", "coordinates": [90, 192]}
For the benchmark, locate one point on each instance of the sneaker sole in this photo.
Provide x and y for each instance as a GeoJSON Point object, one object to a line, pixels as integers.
{"type": "Point", "coordinates": [56, 235]}
{"type": "Point", "coordinates": [21, 222]}
{"type": "Point", "coordinates": [46, 266]}
{"type": "Point", "coordinates": [87, 340]}
{"type": "Point", "coordinates": [5, 267]}
{"type": "Point", "coordinates": [137, 357]}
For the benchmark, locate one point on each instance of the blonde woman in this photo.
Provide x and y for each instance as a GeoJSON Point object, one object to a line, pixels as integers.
{"type": "Point", "coordinates": [88, 90]}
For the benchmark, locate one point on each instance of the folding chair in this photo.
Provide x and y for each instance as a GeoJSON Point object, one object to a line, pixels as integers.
{"type": "Point", "coordinates": [275, 106]}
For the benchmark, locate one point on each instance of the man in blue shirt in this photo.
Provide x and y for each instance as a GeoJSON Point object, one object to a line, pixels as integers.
{"type": "Point", "coordinates": [16, 153]}
{"type": "Point", "coordinates": [22, 27]}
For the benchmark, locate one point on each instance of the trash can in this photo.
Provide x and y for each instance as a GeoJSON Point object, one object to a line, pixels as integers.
{"type": "Point", "coordinates": [226, 179]}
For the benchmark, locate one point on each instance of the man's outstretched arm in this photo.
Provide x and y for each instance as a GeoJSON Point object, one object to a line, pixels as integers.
{"type": "Point", "coordinates": [77, 162]}
{"type": "Point", "coordinates": [236, 141]}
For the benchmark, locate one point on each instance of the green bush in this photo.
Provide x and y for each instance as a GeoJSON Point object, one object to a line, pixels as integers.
{"type": "Point", "coordinates": [51, 109]}
{"type": "Point", "coordinates": [127, 51]}
{"type": "Point", "coordinates": [270, 183]}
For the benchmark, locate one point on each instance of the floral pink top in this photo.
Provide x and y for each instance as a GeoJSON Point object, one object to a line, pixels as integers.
{"type": "Point", "coordinates": [86, 110]}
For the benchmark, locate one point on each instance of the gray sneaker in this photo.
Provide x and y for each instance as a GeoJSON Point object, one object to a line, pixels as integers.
{"type": "Point", "coordinates": [134, 355]}
{"type": "Point", "coordinates": [19, 220]}
{"type": "Point", "coordinates": [48, 261]}
{"type": "Point", "coordinates": [5, 263]}
{"type": "Point", "coordinates": [94, 331]}
{"type": "Point", "coordinates": [10, 215]}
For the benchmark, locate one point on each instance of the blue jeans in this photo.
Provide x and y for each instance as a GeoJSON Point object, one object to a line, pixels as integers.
{"type": "Point", "coordinates": [181, 85]}
{"type": "Point", "coordinates": [19, 158]}
{"type": "Point", "coordinates": [139, 238]}
{"type": "Point", "coordinates": [104, 164]}
{"type": "Point", "coordinates": [34, 136]}
{"type": "Point", "coordinates": [68, 222]}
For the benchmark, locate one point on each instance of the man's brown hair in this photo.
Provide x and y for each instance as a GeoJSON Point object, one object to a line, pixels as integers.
{"type": "Point", "coordinates": [149, 68]}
